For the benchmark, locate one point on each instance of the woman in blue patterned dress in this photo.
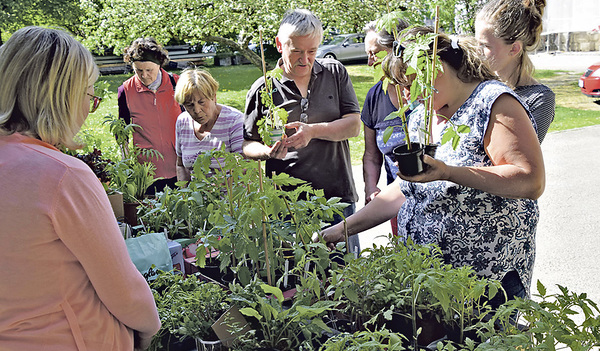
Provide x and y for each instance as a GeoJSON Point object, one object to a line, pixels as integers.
{"type": "Point", "coordinates": [478, 202]}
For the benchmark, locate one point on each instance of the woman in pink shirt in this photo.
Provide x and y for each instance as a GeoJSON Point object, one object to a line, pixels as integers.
{"type": "Point", "coordinates": [67, 280]}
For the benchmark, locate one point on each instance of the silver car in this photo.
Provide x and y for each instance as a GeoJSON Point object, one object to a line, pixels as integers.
{"type": "Point", "coordinates": [344, 47]}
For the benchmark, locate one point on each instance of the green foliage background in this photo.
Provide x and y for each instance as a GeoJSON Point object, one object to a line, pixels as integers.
{"type": "Point", "coordinates": [107, 26]}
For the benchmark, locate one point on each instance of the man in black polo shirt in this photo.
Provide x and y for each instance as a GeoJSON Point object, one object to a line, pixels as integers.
{"type": "Point", "coordinates": [323, 112]}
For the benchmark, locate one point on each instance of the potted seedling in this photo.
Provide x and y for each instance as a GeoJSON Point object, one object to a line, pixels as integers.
{"type": "Point", "coordinates": [257, 225]}
{"type": "Point", "coordinates": [187, 308]}
{"type": "Point", "coordinates": [422, 65]}
{"type": "Point", "coordinates": [132, 179]}
{"type": "Point", "coordinates": [277, 324]}
{"type": "Point", "coordinates": [365, 340]}
{"type": "Point", "coordinates": [560, 320]}
{"type": "Point", "coordinates": [270, 128]}
{"type": "Point", "coordinates": [407, 288]}
{"type": "Point", "coordinates": [128, 175]}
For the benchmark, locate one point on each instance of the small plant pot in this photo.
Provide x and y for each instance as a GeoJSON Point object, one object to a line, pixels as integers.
{"type": "Point", "coordinates": [211, 272]}
{"type": "Point", "coordinates": [208, 345]}
{"type": "Point", "coordinates": [430, 150]}
{"type": "Point", "coordinates": [410, 162]}
{"type": "Point", "coordinates": [276, 135]}
{"type": "Point", "coordinates": [130, 213]}
{"type": "Point", "coordinates": [171, 342]}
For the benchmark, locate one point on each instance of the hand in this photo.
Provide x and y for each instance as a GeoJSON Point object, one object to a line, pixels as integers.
{"type": "Point", "coordinates": [370, 195]}
{"type": "Point", "coordinates": [301, 137]}
{"type": "Point", "coordinates": [331, 236]}
{"type": "Point", "coordinates": [437, 170]}
{"type": "Point", "coordinates": [279, 149]}
{"type": "Point", "coordinates": [141, 342]}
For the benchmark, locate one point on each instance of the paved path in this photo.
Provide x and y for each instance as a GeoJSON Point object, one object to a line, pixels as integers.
{"type": "Point", "coordinates": [568, 234]}
{"type": "Point", "coordinates": [568, 61]}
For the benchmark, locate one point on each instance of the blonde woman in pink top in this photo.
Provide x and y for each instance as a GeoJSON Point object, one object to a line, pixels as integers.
{"type": "Point", "coordinates": [205, 124]}
{"type": "Point", "coordinates": [67, 280]}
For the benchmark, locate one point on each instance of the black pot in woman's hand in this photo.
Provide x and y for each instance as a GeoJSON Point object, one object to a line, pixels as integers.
{"type": "Point", "coordinates": [410, 162]}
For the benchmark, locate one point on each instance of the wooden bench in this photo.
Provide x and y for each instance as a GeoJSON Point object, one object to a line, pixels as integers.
{"type": "Point", "coordinates": [178, 60]}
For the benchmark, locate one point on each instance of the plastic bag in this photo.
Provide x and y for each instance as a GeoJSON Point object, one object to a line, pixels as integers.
{"type": "Point", "coordinates": [150, 253]}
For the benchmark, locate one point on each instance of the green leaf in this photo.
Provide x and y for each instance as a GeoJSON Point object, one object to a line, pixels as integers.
{"type": "Point", "coordinates": [463, 128]}
{"type": "Point", "coordinates": [541, 288]}
{"type": "Point", "coordinates": [393, 115]}
{"type": "Point", "coordinates": [387, 133]}
{"type": "Point", "coordinates": [248, 311]}
{"type": "Point", "coordinates": [319, 323]}
{"type": "Point", "coordinates": [351, 295]}
{"type": "Point", "coordinates": [448, 135]}
{"type": "Point", "coordinates": [273, 290]}
{"type": "Point", "coordinates": [455, 141]}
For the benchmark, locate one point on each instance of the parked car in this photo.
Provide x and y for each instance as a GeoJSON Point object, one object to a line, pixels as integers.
{"type": "Point", "coordinates": [589, 82]}
{"type": "Point", "coordinates": [344, 47]}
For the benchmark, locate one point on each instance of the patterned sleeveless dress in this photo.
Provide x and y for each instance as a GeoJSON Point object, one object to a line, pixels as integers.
{"type": "Point", "coordinates": [493, 234]}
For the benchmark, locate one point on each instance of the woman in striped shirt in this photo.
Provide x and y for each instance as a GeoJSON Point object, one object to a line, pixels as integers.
{"type": "Point", "coordinates": [205, 124]}
{"type": "Point", "coordinates": [506, 31]}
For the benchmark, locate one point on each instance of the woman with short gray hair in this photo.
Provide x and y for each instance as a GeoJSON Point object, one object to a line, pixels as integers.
{"type": "Point", "coordinates": [379, 103]}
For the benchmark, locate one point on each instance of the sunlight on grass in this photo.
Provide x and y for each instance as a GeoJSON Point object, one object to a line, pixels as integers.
{"type": "Point", "coordinates": [569, 118]}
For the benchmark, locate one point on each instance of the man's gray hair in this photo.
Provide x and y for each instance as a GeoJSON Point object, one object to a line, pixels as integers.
{"type": "Point", "coordinates": [299, 23]}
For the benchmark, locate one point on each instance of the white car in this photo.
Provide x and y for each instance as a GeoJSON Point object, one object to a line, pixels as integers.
{"type": "Point", "coordinates": [344, 47]}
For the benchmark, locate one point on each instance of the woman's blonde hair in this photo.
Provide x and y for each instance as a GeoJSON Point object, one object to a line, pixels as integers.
{"type": "Point", "coordinates": [514, 20]}
{"type": "Point", "coordinates": [195, 81]}
{"type": "Point", "coordinates": [44, 75]}
{"type": "Point", "coordinates": [462, 54]}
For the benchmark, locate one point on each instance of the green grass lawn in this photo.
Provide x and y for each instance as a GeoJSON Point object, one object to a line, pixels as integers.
{"type": "Point", "coordinates": [573, 109]}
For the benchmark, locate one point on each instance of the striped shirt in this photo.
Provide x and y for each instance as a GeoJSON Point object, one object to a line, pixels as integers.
{"type": "Point", "coordinates": [540, 101]}
{"type": "Point", "coordinates": [227, 131]}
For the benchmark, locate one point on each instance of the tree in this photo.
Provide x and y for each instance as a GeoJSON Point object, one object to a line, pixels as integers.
{"type": "Point", "coordinates": [15, 14]}
{"type": "Point", "coordinates": [114, 24]}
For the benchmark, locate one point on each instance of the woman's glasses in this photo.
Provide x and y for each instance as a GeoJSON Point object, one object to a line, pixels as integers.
{"type": "Point", "coordinates": [96, 102]}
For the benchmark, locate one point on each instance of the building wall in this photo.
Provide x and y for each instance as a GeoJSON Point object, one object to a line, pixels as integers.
{"type": "Point", "coordinates": [573, 41]}
{"type": "Point", "coordinates": [571, 25]}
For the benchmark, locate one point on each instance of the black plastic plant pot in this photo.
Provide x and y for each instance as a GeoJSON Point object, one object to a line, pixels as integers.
{"type": "Point", "coordinates": [429, 150]}
{"type": "Point", "coordinates": [410, 162]}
